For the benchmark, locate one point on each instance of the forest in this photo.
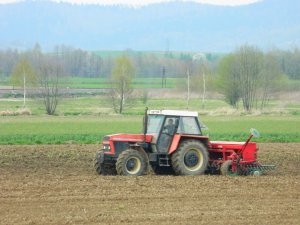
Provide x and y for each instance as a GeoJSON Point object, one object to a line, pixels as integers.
{"type": "Point", "coordinates": [81, 63]}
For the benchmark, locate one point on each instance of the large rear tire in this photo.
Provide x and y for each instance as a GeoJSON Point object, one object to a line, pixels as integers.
{"type": "Point", "coordinates": [226, 169]}
{"type": "Point", "coordinates": [191, 158]}
{"type": "Point", "coordinates": [131, 163]}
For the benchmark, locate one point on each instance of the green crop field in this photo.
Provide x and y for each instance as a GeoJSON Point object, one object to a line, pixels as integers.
{"type": "Point", "coordinates": [138, 82]}
{"type": "Point", "coordinates": [89, 83]}
{"type": "Point", "coordinates": [91, 129]}
{"type": "Point", "coordinates": [102, 82]}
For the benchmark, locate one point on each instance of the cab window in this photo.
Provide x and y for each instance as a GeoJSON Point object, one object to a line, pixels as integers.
{"type": "Point", "coordinates": [154, 124]}
{"type": "Point", "coordinates": [188, 125]}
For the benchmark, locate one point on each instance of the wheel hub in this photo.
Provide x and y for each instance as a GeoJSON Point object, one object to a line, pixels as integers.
{"type": "Point", "coordinates": [131, 164]}
{"type": "Point", "coordinates": [191, 159]}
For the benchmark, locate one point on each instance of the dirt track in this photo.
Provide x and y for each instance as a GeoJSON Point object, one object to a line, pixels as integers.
{"type": "Point", "coordinates": [57, 185]}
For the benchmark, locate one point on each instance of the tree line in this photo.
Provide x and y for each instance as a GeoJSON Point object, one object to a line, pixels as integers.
{"type": "Point", "coordinates": [80, 63]}
{"type": "Point", "coordinates": [247, 74]}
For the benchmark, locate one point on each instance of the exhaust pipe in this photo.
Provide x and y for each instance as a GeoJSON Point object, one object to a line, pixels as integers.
{"type": "Point", "coordinates": [145, 124]}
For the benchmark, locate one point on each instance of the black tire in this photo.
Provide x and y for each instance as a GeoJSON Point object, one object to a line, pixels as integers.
{"type": "Point", "coordinates": [131, 163]}
{"type": "Point", "coordinates": [102, 168]}
{"type": "Point", "coordinates": [98, 167]}
{"type": "Point", "coordinates": [226, 169]}
{"type": "Point", "coordinates": [191, 158]}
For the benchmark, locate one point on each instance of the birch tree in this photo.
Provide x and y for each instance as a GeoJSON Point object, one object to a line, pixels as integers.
{"type": "Point", "coordinates": [121, 80]}
{"type": "Point", "coordinates": [23, 76]}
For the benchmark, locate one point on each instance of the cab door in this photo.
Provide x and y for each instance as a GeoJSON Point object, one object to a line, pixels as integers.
{"type": "Point", "coordinates": [169, 129]}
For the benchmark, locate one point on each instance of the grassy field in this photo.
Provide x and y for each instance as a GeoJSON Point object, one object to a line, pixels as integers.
{"type": "Point", "coordinates": [153, 82]}
{"type": "Point", "coordinates": [101, 82]}
{"type": "Point", "coordinates": [91, 129]}
{"type": "Point", "coordinates": [99, 104]}
{"type": "Point", "coordinates": [87, 119]}
{"type": "Point", "coordinates": [138, 82]}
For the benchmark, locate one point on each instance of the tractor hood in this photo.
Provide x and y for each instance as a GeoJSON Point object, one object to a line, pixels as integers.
{"type": "Point", "coordinates": [128, 138]}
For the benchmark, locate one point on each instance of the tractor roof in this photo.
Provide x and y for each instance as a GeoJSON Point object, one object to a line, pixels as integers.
{"type": "Point", "coordinates": [172, 113]}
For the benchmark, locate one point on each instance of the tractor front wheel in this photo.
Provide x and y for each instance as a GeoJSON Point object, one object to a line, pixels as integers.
{"type": "Point", "coordinates": [191, 158]}
{"type": "Point", "coordinates": [226, 169]}
{"type": "Point", "coordinates": [131, 163]}
{"type": "Point", "coordinates": [102, 168]}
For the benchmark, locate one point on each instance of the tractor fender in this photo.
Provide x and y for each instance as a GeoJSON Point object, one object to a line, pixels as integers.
{"type": "Point", "coordinates": [178, 138]}
{"type": "Point", "coordinates": [175, 143]}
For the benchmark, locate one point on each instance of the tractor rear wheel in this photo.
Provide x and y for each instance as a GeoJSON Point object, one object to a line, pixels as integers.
{"type": "Point", "coordinates": [191, 158]}
{"type": "Point", "coordinates": [226, 169]}
{"type": "Point", "coordinates": [131, 163]}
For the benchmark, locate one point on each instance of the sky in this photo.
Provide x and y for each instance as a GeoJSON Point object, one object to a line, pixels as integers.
{"type": "Point", "coordinates": [144, 2]}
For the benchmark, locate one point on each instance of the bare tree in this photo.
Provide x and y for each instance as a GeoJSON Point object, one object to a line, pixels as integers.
{"type": "Point", "coordinates": [49, 72]}
{"type": "Point", "coordinates": [121, 79]}
{"type": "Point", "coordinates": [228, 80]}
{"type": "Point", "coordinates": [239, 76]}
{"type": "Point", "coordinates": [271, 78]}
{"type": "Point", "coordinates": [249, 61]}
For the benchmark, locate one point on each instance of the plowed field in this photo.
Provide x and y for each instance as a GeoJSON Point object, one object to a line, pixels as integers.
{"type": "Point", "coordinates": [56, 184]}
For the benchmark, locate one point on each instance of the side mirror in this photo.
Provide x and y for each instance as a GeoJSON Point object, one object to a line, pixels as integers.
{"type": "Point", "coordinates": [254, 133]}
{"type": "Point", "coordinates": [203, 126]}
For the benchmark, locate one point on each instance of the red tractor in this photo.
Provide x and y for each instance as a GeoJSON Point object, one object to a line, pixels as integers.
{"type": "Point", "coordinates": [173, 143]}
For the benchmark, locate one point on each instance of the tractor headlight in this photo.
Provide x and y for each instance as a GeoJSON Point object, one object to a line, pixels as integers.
{"type": "Point", "coordinates": [106, 147]}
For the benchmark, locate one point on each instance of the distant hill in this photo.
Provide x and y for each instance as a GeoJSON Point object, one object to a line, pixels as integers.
{"type": "Point", "coordinates": [177, 26]}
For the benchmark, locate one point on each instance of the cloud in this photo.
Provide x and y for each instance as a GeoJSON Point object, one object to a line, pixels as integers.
{"type": "Point", "coordinates": [138, 3]}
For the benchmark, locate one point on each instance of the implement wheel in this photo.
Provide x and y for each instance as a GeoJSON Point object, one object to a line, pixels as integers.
{"type": "Point", "coordinates": [226, 169]}
{"type": "Point", "coordinates": [131, 163]}
{"type": "Point", "coordinates": [191, 158]}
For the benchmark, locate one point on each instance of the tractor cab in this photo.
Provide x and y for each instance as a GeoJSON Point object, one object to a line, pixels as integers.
{"type": "Point", "coordinates": [164, 125]}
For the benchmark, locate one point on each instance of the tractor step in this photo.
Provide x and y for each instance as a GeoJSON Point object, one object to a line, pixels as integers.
{"type": "Point", "coordinates": [163, 160]}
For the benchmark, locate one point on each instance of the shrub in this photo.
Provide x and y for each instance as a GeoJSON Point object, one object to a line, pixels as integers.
{"type": "Point", "coordinates": [18, 112]}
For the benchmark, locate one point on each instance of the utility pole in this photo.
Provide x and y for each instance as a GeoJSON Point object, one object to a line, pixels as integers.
{"type": "Point", "coordinates": [24, 81]}
{"type": "Point", "coordinates": [204, 90]}
{"type": "Point", "coordinates": [202, 59]}
{"type": "Point", "coordinates": [188, 88]}
{"type": "Point", "coordinates": [163, 78]}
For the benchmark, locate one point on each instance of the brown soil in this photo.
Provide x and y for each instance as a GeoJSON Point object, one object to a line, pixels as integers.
{"type": "Point", "coordinates": [56, 184]}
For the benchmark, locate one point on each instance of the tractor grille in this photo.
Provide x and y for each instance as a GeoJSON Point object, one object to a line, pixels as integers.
{"type": "Point", "coordinates": [120, 147]}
